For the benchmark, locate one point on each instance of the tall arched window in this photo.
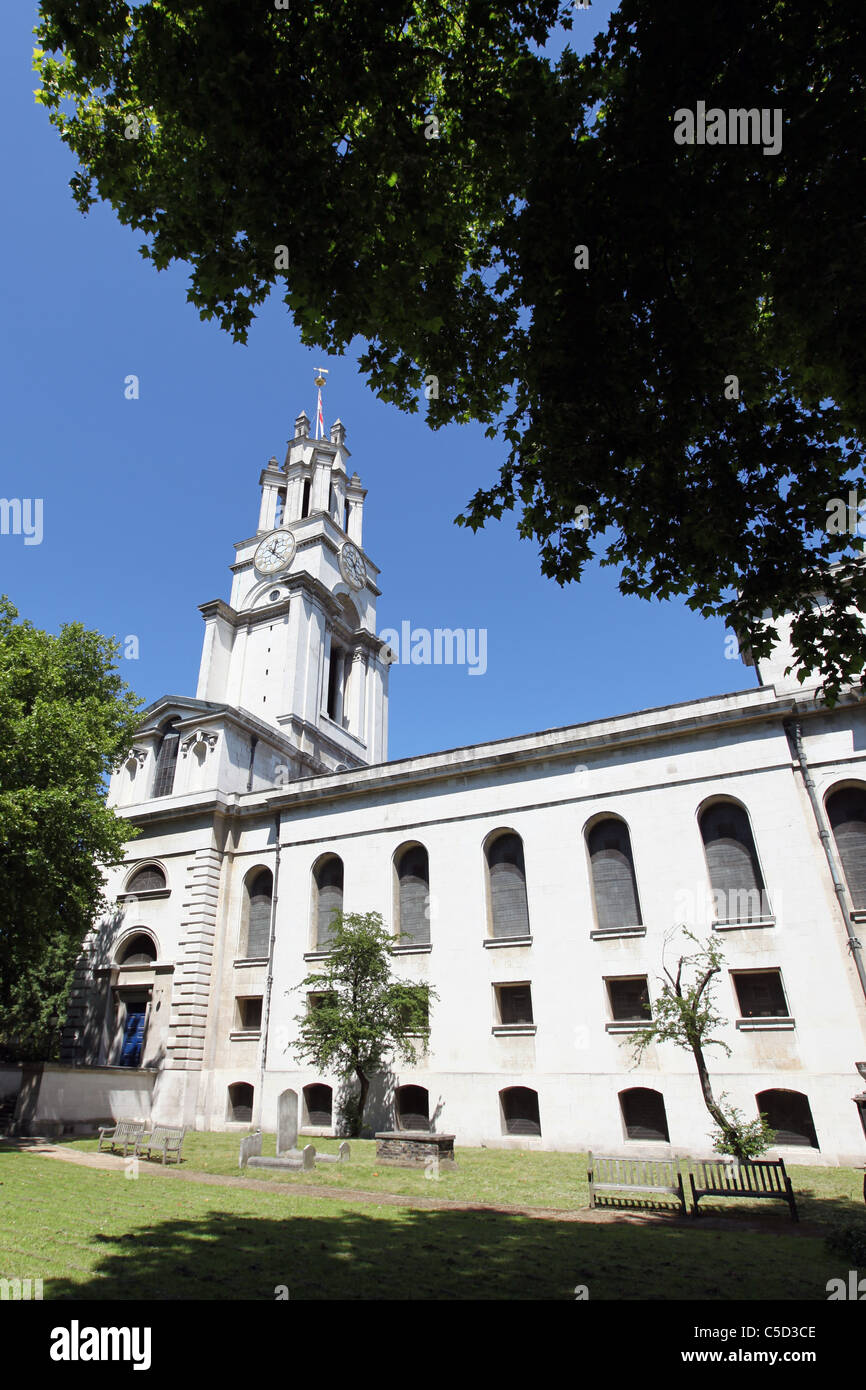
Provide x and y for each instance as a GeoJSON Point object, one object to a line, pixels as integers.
{"type": "Point", "coordinates": [613, 880]}
{"type": "Point", "coordinates": [413, 895]}
{"type": "Point", "coordinates": [327, 897]}
{"type": "Point", "coordinates": [506, 872]}
{"type": "Point", "coordinates": [732, 861]}
{"type": "Point", "coordinates": [166, 760]}
{"type": "Point", "coordinates": [846, 809]}
{"type": "Point", "coordinates": [256, 925]}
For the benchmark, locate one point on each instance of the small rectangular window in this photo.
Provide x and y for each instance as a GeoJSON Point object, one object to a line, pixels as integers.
{"type": "Point", "coordinates": [629, 999]}
{"type": "Point", "coordinates": [250, 1012]}
{"type": "Point", "coordinates": [515, 1003]}
{"type": "Point", "coordinates": [760, 994]}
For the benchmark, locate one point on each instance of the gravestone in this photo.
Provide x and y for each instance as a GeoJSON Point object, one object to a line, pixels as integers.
{"type": "Point", "coordinates": [287, 1122]}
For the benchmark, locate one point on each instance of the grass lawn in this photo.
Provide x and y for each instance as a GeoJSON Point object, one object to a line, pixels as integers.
{"type": "Point", "coordinates": [98, 1235]}
{"type": "Point", "coordinates": [512, 1177]}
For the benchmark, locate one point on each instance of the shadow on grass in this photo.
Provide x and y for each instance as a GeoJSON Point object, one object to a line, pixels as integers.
{"type": "Point", "coordinates": [440, 1255]}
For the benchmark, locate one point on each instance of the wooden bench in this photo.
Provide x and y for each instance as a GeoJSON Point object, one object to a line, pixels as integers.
{"type": "Point", "coordinates": [164, 1140]}
{"type": "Point", "coordinates": [125, 1133]}
{"type": "Point", "coordinates": [761, 1177]}
{"type": "Point", "coordinates": [659, 1176]}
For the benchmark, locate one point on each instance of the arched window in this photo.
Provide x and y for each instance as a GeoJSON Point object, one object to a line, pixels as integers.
{"type": "Point", "coordinates": [327, 897]}
{"type": "Point", "coordinates": [520, 1111]}
{"type": "Point", "coordinates": [643, 1114]}
{"type": "Point", "coordinates": [148, 879]}
{"type": "Point", "coordinates": [318, 1105]}
{"type": "Point", "coordinates": [166, 760]}
{"type": "Point", "coordinates": [613, 879]}
{"type": "Point", "coordinates": [305, 498]}
{"type": "Point", "coordinates": [256, 924]}
{"type": "Point", "coordinates": [506, 872]}
{"type": "Point", "coordinates": [846, 809]}
{"type": "Point", "coordinates": [413, 895]}
{"type": "Point", "coordinates": [412, 1104]}
{"type": "Point", "coordinates": [240, 1103]}
{"type": "Point", "coordinates": [790, 1115]}
{"type": "Point", "coordinates": [139, 949]}
{"type": "Point", "coordinates": [732, 861]}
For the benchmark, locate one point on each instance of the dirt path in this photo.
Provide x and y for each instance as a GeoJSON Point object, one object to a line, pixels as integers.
{"type": "Point", "coordinates": [45, 1149]}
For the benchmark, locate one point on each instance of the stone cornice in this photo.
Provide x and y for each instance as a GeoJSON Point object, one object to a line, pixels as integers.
{"type": "Point", "coordinates": [570, 742]}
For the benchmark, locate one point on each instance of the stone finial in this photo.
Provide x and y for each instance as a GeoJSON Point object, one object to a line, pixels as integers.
{"type": "Point", "coordinates": [272, 461]}
{"type": "Point", "coordinates": [355, 480]}
{"type": "Point", "coordinates": [338, 432]}
{"type": "Point", "coordinates": [302, 425]}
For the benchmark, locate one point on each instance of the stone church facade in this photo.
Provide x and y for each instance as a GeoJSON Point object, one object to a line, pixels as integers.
{"type": "Point", "coordinates": [534, 880]}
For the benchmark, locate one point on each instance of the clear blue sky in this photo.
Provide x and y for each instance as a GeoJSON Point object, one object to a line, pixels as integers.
{"type": "Point", "coordinates": [143, 499]}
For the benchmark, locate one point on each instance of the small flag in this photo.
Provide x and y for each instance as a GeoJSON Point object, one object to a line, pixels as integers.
{"type": "Point", "coordinates": [320, 419]}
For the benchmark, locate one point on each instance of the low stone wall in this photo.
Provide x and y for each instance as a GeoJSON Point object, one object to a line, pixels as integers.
{"type": "Point", "coordinates": [415, 1148]}
{"type": "Point", "coordinates": [56, 1099]}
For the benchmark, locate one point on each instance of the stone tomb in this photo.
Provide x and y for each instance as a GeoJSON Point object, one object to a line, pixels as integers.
{"type": "Point", "coordinates": [292, 1160]}
{"type": "Point", "coordinates": [415, 1148]}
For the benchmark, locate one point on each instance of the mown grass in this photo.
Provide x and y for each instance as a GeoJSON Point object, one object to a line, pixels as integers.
{"type": "Point", "coordinates": [503, 1177]}
{"type": "Point", "coordinates": [96, 1234]}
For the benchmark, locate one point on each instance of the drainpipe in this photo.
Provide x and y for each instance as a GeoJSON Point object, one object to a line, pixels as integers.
{"type": "Point", "coordinates": [795, 738]}
{"type": "Point", "coordinates": [266, 1003]}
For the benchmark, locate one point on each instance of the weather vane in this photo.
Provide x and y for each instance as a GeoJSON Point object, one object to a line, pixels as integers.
{"type": "Point", "coordinates": [322, 372]}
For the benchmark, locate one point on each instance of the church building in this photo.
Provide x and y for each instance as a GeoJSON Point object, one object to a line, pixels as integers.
{"type": "Point", "coordinates": [535, 882]}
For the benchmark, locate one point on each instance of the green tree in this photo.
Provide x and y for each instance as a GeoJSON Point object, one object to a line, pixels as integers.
{"type": "Point", "coordinates": [360, 1016]}
{"type": "Point", "coordinates": [66, 719]}
{"type": "Point", "coordinates": [665, 336]}
{"type": "Point", "coordinates": [684, 1014]}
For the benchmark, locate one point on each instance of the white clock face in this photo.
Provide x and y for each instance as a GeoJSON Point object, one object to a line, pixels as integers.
{"type": "Point", "coordinates": [352, 565]}
{"type": "Point", "coordinates": [275, 552]}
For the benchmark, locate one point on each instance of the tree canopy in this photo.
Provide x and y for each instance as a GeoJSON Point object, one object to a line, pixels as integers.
{"type": "Point", "coordinates": [666, 337]}
{"type": "Point", "coordinates": [66, 718]}
{"type": "Point", "coordinates": [359, 1017]}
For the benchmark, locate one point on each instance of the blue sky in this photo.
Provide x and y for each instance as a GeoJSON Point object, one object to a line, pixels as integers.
{"type": "Point", "coordinates": [143, 499]}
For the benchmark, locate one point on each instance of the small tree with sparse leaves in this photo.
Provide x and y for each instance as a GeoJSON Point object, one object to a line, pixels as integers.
{"type": "Point", "coordinates": [360, 1016]}
{"type": "Point", "coordinates": [684, 1014]}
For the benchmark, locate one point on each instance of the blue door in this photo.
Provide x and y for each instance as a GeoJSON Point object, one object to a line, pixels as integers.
{"type": "Point", "coordinates": [133, 1036]}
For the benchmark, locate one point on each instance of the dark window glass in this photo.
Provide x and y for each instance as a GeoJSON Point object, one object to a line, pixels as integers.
{"type": "Point", "coordinates": [790, 1115]}
{"type": "Point", "coordinates": [515, 1003]}
{"type": "Point", "coordinates": [414, 888]}
{"type": "Point", "coordinates": [520, 1110]}
{"type": "Point", "coordinates": [166, 762]}
{"type": "Point", "coordinates": [329, 897]}
{"type": "Point", "coordinates": [508, 905]}
{"type": "Point", "coordinates": [643, 1113]}
{"type": "Point", "coordinates": [413, 1107]}
{"type": "Point", "coordinates": [732, 861]}
{"type": "Point", "coordinates": [139, 950]}
{"type": "Point", "coordinates": [761, 995]}
{"type": "Point", "coordinates": [240, 1103]}
{"type": "Point", "coordinates": [629, 999]}
{"type": "Point", "coordinates": [305, 503]}
{"type": "Point", "coordinates": [251, 1012]}
{"type": "Point", "coordinates": [260, 894]}
{"type": "Point", "coordinates": [613, 878]}
{"type": "Point", "coordinates": [146, 880]}
{"type": "Point", "coordinates": [847, 811]}
{"type": "Point", "coordinates": [319, 1103]}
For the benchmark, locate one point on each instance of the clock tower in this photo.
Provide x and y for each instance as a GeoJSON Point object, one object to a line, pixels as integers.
{"type": "Point", "coordinates": [296, 645]}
